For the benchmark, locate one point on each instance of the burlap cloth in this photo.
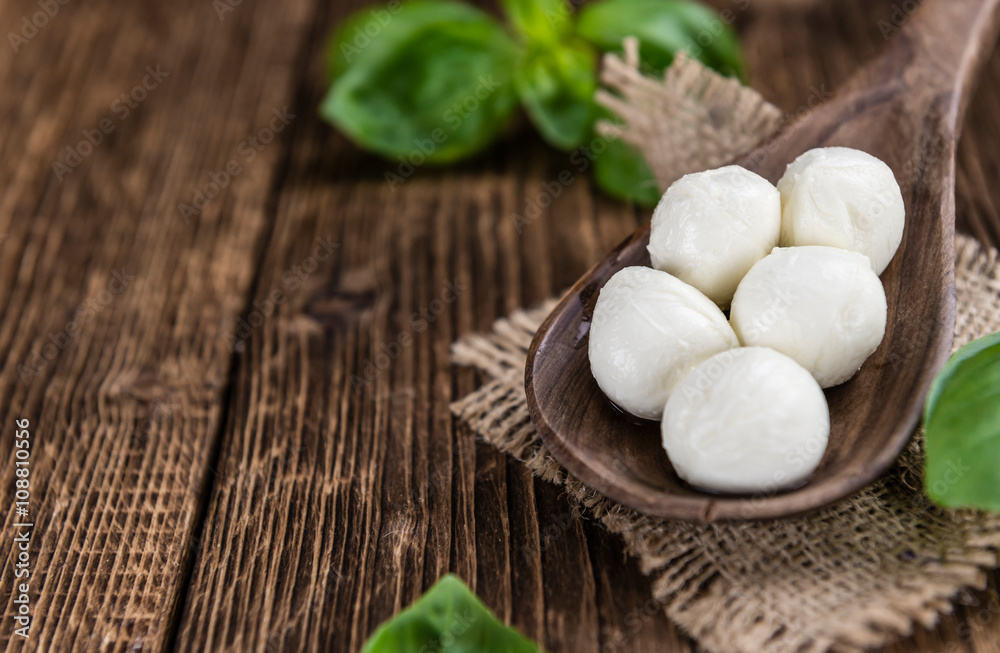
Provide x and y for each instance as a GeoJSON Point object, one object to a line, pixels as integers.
{"type": "Point", "coordinates": [852, 576]}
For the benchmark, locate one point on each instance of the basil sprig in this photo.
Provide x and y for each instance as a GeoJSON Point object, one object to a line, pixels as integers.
{"type": "Point", "coordinates": [962, 423]}
{"type": "Point", "coordinates": [447, 619]}
{"type": "Point", "coordinates": [437, 81]}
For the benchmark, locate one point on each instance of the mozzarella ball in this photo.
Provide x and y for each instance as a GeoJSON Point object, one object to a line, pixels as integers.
{"type": "Point", "coordinates": [711, 227]}
{"type": "Point", "coordinates": [746, 420]}
{"type": "Point", "coordinates": [822, 306]}
{"type": "Point", "coordinates": [648, 330]}
{"type": "Point", "coordinates": [845, 198]}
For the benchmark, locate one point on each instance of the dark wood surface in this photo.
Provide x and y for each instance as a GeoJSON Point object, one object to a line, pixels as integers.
{"type": "Point", "coordinates": [904, 107]}
{"type": "Point", "coordinates": [192, 492]}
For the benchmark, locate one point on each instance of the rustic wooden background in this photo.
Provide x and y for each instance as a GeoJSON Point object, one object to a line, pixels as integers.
{"type": "Point", "coordinates": [191, 492]}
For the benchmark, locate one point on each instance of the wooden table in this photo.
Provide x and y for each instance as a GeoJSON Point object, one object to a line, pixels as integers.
{"type": "Point", "coordinates": [213, 470]}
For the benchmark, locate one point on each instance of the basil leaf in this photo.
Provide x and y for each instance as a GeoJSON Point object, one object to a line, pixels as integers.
{"type": "Point", "coordinates": [371, 31]}
{"type": "Point", "coordinates": [539, 21]}
{"type": "Point", "coordinates": [556, 86]}
{"type": "Point", "coordinates": [663, 27]}
{"type": "Point", "coordinates": [447, 619]}
{"type": "Point", "coordinates": [962, 423]}
{"type": "Point", "coordinates": [620, 169]}
{"type": "Point", "coordinates": [429, 91]}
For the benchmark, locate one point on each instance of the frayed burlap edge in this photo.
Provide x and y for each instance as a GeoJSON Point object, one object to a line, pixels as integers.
{"type": "Point", "coordinates": [693, 119]}
{"type": "Point", "coordinates": [852, 576]}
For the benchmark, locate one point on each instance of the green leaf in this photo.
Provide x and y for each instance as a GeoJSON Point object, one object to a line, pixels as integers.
{"type": "Point", "coordinates": [426, 90]}
{"type": "Point", "coordinates": [373, 30]}
{"type": "Point", "coordinates": [539, 21]}
{"type": "Point", "coordinates": [447, 619]}
{"type": "Point", "coordinates": [619, 169]}
{"type": "Point", "coordinates": [622, 172]}
{"type": "Point", "coordinates": [962, 422]}
{"type": "Point", "coordinates": [556, 86]}
{"type": "Point", "coordinates": [663, 27]}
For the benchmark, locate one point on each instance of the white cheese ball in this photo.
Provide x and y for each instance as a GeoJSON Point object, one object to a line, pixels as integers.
{"type": "Point", "coordinates": [845, 198]}
{"type": "Point", "coordinates": [711, 227]}
{"type": "Point", "coordinates": [747, 420]}
{"type": "Point", "coordinates": [648, 330]}
{"type": "Point", "coordinates": [825, 307]}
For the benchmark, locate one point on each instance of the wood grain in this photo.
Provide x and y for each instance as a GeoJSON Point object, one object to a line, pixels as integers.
{"type": "Point", "coordinates": [324, 510]}
{"type": "Point", "coordinates": [125, 408]}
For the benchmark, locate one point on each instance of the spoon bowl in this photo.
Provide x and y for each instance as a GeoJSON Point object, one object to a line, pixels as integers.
{"type": "Point", "coordinates": [905, 108]}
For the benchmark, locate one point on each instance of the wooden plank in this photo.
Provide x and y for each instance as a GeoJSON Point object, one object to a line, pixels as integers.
{"type": "Point", "coordinates": [115, 311]}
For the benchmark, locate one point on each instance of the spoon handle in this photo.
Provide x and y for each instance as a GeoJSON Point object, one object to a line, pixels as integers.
{"type": "Point", "coordinates": [937, 51]}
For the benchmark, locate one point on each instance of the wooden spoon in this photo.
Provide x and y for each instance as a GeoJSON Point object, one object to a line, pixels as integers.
{"type": "Point", "coordinates": [906, 108]}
